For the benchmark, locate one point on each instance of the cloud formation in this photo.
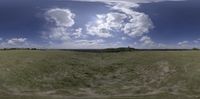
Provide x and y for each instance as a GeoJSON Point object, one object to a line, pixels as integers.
{"type": "Point", "coordinates": [62, 17]}
{"type": "Point", "coordinates": [137, 23]}
{"type": "Point", "coordinates": [147, 41]}
{"type": "Point", "coordinates": [105, 24]}
{"type": "Point", "coordinates": [122, 18]}
{"type": "Point", "coordinates": [63, 20]}
{"type": "Point", "coordinates": [127, 1]}
{"type": "Point", "coordinates": [17, 41]}
{"type": "Point", "coordinates": [86, 44]}
{"type": "Point", "coordinates": [183, 44]}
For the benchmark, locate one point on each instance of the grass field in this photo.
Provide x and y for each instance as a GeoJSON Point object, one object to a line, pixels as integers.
{"type": "Point", "coordinates": [136, 73]}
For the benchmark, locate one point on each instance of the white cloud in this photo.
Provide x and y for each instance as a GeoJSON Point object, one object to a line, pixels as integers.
{"type": "Point", "coordinates": [124, 38]}
{"type": "Point", "coordinates": [62, 17]}
{"type": "Point", "coordinates": [58, 33]}
{"type": "Point", "coordinates": [122, 18]}
{"type": "Point", "coordinates": [137, 23]}
{"type": "Point", "coordinates": [64, 32]}
{"type": "Point", "coordinates": [90, 42]}
{"type": "Point", "coordinates": [197, 41]}
{"type": "Point", "coordinates": [17, 41]}
{"type": "Point", "coordinates": [86, 44]}
{"type": "Point", "coordinates": [64, 21]}
{"type": "Point", "coordinates": [105, 24]}
{"type": "Point", "coordinates": [78, 33]}
{"type": "Point", "coordinates": [184, 44]}
{"type": "Point", "coordinates": [127, 1]}
{"type": "Point", "coordinates": [189, 44]}
{"type": "Point", "coordinates": [147, 41]}
{"type": "Point", "coordinates": [79, 44]}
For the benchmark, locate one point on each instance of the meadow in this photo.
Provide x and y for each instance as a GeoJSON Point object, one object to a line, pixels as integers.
{"type": "Point", "coordinates": [131, 75]}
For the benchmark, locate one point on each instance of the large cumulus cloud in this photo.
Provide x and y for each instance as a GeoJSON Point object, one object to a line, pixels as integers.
{"type": "Point", "coordinates": [122, 18]}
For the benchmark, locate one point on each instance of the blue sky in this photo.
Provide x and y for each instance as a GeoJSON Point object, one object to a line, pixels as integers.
{"type": "Point", "coordinates": [84, 24]}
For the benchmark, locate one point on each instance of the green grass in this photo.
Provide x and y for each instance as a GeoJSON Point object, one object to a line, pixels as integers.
{"type": "Point", "coordinates": [68, 73]}
{"type": "Point", "coordinates": [160, 96]}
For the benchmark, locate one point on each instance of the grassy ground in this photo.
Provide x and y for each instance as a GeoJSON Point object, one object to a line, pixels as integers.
{"type": "Point", "coordinates": [100, 74]}
{"type": "Point", "coordinates": [161, 96]}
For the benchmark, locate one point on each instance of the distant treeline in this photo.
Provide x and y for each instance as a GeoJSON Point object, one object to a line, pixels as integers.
{"type": "Point", "coordinates": [19, 49]}
{"type": "Point", "coordinates": [130, 49]}
{"type": "Point", "coordinates": [121, 49]}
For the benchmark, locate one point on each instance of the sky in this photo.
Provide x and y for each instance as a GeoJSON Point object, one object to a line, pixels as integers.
{"type": "Point", "coordinates": [88, 24]}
